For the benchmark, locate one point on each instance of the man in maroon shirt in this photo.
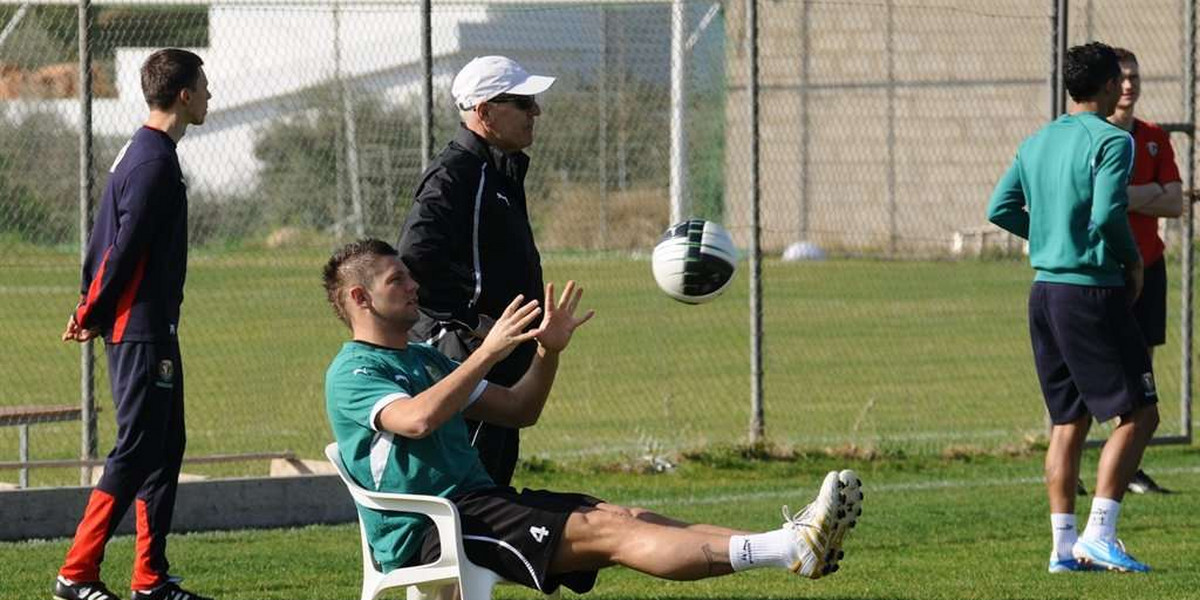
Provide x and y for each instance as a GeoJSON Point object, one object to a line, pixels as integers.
{"type": "Point", "coordinates": [1155, 191]}
{"type": "Point", "coordinates": [131, 293]}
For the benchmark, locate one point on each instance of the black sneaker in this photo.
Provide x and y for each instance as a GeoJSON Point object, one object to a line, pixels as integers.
{"type": "Point", "coordinates": [65, 589]}
{"type": "Point", "coordinates": [167, 591]}
{"type": "Point", "coordinates": [1143, 484]}
{"type": "Point", "coordinates": [1080, 489]}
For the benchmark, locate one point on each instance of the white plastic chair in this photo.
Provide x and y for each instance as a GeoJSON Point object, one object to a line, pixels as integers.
{"type": "Point", "coordinates": [424, 581]}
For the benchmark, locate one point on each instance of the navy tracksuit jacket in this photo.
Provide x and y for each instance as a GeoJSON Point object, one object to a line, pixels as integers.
{"type": "Point", "coordinates": [132, 289]}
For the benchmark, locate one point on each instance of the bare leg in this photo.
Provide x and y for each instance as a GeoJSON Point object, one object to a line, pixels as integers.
{"type": "Point", "coordinates": [1062, 463]}
{"type": "Point", "coordinates": [657, 519]}
{"type": "Point", "coordinates": [1123, 451]}
{"type": "Point", "coordinates": [601, 537]}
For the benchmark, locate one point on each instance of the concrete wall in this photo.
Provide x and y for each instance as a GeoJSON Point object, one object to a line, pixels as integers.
{"type": "Point", "coordinates": [200, 506]}
{"type": "Point", "coordinates": [953, 89]}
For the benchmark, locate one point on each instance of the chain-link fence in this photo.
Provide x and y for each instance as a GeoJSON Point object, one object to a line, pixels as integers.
{"type": "Point", "coordinates": [884, 125]}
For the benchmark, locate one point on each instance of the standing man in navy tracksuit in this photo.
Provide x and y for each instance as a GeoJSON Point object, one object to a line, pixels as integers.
{"type": "Point", "coordinates": [132, 290]}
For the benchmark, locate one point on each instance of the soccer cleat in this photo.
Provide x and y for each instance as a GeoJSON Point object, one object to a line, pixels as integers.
{"type": "Point", "coordinates": [1067, 565]}
{"type": "Point", "coordinates": [167, 591]}
{"type": "Point", "coordinates": [65, 589]}
{"type": "Point", "coordinates": [1144, 484]}
{"type": "Point", "coordinates": [822, 526]}
{"type": "Point", "coordinates": [1104, 554]}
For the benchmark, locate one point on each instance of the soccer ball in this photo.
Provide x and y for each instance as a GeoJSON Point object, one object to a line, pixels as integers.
{"type": "Point", "coordinates": [694, 261]}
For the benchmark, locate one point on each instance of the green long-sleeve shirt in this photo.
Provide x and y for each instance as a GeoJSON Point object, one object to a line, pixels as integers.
{"type": "Point", "coordinates": [1066, 193]}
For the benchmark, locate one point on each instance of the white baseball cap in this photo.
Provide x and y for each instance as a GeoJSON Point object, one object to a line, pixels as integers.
{"type": "Point", "coordinates": [486, 77]}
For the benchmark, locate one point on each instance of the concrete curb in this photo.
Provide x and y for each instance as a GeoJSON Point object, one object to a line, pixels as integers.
{"type": "Point", "coordinates": [200, 506]}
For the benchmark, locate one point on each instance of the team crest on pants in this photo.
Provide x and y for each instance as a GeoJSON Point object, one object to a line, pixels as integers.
{"type": "Point", "coordinates": [166, 374]}
{"type": "Point", "coordinates": [1148, 384]}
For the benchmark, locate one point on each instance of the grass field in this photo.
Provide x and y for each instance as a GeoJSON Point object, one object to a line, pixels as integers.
{"type": "Point", "coordinates": [931, 529]}
{"type": "Point", "coordinates": [920, 356]}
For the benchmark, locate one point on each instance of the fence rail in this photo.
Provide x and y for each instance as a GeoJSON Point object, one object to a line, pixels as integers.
{"type": "Point", "coordinates": [881, 127]}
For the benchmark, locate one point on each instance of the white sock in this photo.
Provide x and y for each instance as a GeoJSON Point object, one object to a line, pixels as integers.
{"type": "Point", "coordinates": [1102, 522]}
{"type": "Point", "coordinates": [771, 549]}
{"type": "Point", "coordinates": [1062, 527]}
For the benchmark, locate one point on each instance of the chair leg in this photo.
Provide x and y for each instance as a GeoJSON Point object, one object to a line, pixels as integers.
{"type": "Point", "coordinates": [445, 592]}
{"type": "Point", "coordinates": [477, 584]}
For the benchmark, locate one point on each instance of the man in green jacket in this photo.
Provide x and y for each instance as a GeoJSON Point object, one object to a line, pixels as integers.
{"type": "Point", "coordinates": [1066, 193]}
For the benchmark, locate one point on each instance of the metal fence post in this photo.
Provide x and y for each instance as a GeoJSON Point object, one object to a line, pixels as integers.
{"type": "Point", "coordinates": [87, 396]}
{"type": "Point", "coordinates": [426, 83]}
{"type": "Point", "coordinates": [1188, 267]}
{"type": "Point", "coordinates": [757, 425]}
{"type": "Point", "coordinates": [680, 208]}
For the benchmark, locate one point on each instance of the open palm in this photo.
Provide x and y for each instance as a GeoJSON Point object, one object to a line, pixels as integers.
{"type": "Point", "coordinates": [558, 319]}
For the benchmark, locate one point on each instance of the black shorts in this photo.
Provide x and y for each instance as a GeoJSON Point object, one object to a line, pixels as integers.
{"type": "Point", "coordinates": [515, 535]}
{"type": "Point", "coordinates": [1089, 352]}
{"type": "Point", "coordinates": [1151, 307]}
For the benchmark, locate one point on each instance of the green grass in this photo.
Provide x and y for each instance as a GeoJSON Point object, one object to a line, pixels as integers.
{"type": "Point", "coordinates": [915, 355]}
{"type": "Point", "coordinates": [932, 529]}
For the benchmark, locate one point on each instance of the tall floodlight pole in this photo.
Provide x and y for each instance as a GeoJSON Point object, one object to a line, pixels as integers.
{"type": "Point", "coordinates": [87, 362]}
{"type": "Point", "coordinates": [679, 176]}
{"type": "Point", "coordinates": [757, 426]}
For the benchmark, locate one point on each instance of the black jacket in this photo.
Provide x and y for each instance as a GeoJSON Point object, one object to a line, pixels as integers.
{"type": "Point", "coordinates": [468, 243]}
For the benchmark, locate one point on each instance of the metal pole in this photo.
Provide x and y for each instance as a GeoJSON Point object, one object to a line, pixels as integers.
{"type": "Point", "coordinates": [87, 359]}
{"type": "Point", "coordinates": [805, 121]}
{"type": "Point", "coordinates": [679, 204]}
{"type": "Point", "coordinates": [339, 141]}
{"type": "Point", "coordinates": [1058, 18]}
{"type": "Point", "coordinates": [604, 112]}
{"type": "Point", "coordinates": [891, 125]}
{"type": "Point", "coordinates": [1058, 53]}
{"type": "Point", "coordinates": [426, 83]}
{"type": "Point", "coordinates": [1189, 113]}
{"type": "Point", "coordinates": [757, 424]}
{"type": "Point", "coordinates": [349, 128]}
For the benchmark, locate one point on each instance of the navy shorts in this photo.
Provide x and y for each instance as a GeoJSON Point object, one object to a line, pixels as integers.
{"type": "Point", "coordinates": [515, 535]}
{"type": "Point", "coordinates": [1151, 307]}
{"type": "Point", "coordinates": [1088, 351]}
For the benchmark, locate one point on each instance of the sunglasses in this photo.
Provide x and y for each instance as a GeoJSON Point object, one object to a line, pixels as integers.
{"type": "Point", "coordinates": [525, 103]}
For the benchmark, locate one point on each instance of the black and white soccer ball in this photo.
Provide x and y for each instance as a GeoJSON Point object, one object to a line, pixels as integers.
{"type": "Point", "coordinates": [694, 261]}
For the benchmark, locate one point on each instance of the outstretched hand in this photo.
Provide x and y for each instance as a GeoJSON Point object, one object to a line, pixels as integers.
{"type": "Point", "coordinates": [559, 322]}
{"type": "Point", "coordinates": [508, 331]}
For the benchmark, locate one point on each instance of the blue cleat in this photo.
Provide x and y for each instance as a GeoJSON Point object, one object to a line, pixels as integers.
{"type": "Point", "coordinates": [1106, 554]}
{"type": "Point", "coordinates": [1068, 565]}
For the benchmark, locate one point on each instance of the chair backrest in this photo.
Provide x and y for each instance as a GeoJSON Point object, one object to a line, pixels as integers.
{"type": "Point", "coordinates": [335, 457]}
{"type": "Point", "coordinates": [452, 567]}
{"type": "Point", "coordinates": [439, 510]}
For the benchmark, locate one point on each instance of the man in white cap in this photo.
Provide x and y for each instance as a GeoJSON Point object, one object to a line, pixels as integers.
{"type": "Point", "coordinates": [467, 239]}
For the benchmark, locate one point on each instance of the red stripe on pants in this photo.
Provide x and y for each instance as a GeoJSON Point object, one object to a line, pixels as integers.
{"type": "Point", "coordinates": [87, 551]}
{"type": "Point", "coordinates": [144, 575]}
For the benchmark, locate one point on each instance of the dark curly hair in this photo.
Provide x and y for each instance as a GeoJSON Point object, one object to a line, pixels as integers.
{"type": "Point", "coordinates": [352, 265]}
{"type": "Point", "coordinates": [1088, 68]}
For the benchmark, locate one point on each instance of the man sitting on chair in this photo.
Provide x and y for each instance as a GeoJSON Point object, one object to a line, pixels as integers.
{"type": "Point", "coordinates": [396, 409]}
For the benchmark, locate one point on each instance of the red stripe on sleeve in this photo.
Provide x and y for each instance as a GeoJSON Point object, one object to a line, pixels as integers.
{"type": "Point", "coordinates": [125, 303]}
{"type": "Point", "coordinates": [85, 307]}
